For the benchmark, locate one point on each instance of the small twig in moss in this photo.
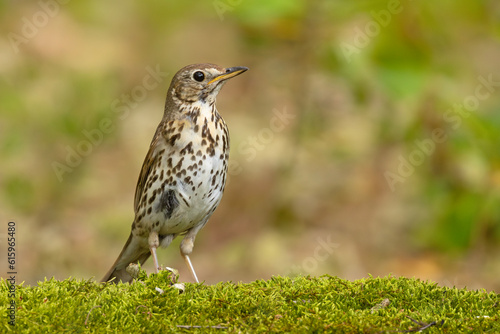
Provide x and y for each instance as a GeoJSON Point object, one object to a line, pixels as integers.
{"type": "Point", "coordinates": [193, 327]}
{"type": "Point", "coordinates": [88, 314]}
{"type": "Point", "coordinates": [422, 324]}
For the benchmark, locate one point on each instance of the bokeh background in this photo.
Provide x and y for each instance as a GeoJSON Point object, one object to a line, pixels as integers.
{"type": "Point", "coordinates": [365, 137]}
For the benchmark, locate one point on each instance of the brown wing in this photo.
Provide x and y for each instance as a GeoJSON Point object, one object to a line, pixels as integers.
{"type": "Point", "coordinates": [147, 166]}
{"type": "Point", "coordinates": [163, 143]}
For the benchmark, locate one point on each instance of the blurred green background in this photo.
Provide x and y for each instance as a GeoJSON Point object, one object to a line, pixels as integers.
{"type": "Point", "coordinates": [364, 138]}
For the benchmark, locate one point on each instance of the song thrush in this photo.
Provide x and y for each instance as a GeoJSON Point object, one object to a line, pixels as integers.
{"type": "Point", "coordinates": [184, 174]}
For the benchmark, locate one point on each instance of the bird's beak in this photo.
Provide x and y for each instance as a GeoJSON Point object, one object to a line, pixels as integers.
{"type": "Point", "coordinates": [229, 73]}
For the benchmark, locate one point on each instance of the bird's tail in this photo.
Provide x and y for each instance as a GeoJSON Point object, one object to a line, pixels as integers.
{"type": "Point", "coordinates": [132, 252]}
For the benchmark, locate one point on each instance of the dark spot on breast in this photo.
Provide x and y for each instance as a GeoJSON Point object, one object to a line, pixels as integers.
{"type": "Point", "coordinates": [179, 164]}
{"type": "Point", "coordinates": [139, 217]}
{"type": "Point", "coordinates": [193, 112]}
{"type": "Point", "coordinates": [173, 138]}
{"type": "Point", "coordinates": [211, 150]}
{"type": "Point", "coordinates": [168, 203]}
{"type": "Point", "coordinates": [151, 199]}
{"type": "Point", "coordinates": [187, 149]}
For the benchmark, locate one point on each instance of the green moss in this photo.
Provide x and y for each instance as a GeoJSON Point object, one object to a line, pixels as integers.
{"type": "Point", "coordinates": [281, 304]}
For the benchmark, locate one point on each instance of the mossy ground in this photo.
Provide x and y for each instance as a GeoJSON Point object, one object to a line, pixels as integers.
{"type": "Point", "coordinates": [281, 304]}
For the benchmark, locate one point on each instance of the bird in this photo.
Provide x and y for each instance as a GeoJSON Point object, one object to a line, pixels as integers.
{"type": "Point", "coordinates": [184, 173]}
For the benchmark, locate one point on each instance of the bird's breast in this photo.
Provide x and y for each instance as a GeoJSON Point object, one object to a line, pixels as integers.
{"type": "Point", "coordinates": [192, 173]}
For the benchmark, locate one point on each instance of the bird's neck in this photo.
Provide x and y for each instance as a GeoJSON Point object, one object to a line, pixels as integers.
{"type": "Point", "coordinates": [193, 112]}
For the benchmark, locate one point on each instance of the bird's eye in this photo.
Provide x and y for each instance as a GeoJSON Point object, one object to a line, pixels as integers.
{"type": "Point", "coordinates": [198, 76]}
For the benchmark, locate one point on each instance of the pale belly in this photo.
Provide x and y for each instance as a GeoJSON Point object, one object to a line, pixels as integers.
{"type": "Point", "coordinates": [196, 206]}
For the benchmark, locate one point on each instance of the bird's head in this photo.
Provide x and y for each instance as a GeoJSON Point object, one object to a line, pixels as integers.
{"type": "Point", "coordinates": [200, 82]}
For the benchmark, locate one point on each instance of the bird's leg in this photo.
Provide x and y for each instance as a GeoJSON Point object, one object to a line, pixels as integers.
{"type": "Point", "coordinates": [190, 266]}
{"type": "Point", "coordinates": [154, 242]}
{"type": "Point", "coordinates": [187, 245]}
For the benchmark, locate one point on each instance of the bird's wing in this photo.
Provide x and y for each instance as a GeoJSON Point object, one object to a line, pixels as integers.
{"type": "Point", "coordinates": [163, 143]}
{"type": "Point", "coordinates": [149, 163]}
